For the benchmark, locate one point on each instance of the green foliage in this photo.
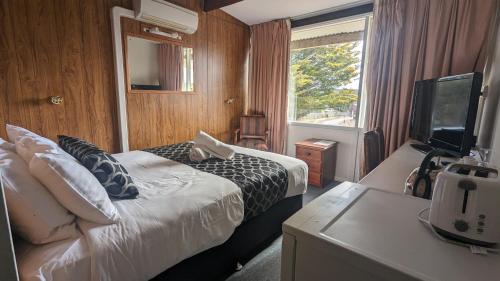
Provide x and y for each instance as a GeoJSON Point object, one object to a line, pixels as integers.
{"type": "Point", "coordinates": [319, 74]}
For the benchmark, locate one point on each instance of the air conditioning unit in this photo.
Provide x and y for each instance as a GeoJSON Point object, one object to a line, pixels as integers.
{"type": "Point", "coordinates": [165, 14]}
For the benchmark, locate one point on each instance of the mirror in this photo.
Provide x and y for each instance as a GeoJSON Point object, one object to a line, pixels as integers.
{"type": "Point", "coordinates": [159, 65]}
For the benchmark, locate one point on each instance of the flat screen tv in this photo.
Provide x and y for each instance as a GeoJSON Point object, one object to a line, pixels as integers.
{"type": "Point", "coordinates": [420, 123]}
{"type": "Point", "coordinates": [444, 112]}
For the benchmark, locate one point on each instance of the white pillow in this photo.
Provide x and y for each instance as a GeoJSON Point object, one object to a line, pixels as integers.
{"type": "Point", "coordinates": [27, 146]}
{"type": "Point", "coordinates": [28, 143]}
{"type": "Point", "coordinates": [35, 214]}
{"type": "Point", "coordinates": [7, 145]}
{"type": "Point", "coordinates": [75, 187]}
{"type": "Point", "coordinates": [14, 132]}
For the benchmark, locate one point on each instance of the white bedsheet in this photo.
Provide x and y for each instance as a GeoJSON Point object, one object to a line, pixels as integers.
{"type": "Point", "coordinates": [179, 213]}
{"type": "Point", "coordinates": [63, 260]}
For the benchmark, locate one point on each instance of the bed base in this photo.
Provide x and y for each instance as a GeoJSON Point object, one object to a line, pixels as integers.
{"type": "Point", "coordinates": [247, 241]}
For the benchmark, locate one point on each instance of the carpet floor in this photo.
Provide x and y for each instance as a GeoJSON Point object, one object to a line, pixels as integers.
{"type": "Point", "coordinates": [266, 266]}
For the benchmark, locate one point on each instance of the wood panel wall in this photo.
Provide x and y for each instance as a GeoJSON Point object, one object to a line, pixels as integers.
{"type": "Point", "coordinates": [220, 56]}
{"type": "Point", "coordinates": [64, 48]}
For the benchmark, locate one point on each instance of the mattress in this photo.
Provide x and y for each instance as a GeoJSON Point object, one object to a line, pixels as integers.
{"type": "Point", "coordinates": [180, 212]}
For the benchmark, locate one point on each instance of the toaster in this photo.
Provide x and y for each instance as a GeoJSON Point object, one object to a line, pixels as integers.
{"type": "Point", "coordinates": [466, 204]}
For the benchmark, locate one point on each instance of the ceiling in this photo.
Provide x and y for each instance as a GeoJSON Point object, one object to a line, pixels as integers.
{"type": "Point", "coordinates": [259, 11]}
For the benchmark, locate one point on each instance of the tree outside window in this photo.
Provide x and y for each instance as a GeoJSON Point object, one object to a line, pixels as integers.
{"type": "Point", "coordinates": [324, 84]}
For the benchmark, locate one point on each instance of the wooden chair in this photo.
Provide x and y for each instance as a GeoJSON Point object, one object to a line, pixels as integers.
{"type": "Point", "coordinates": [374, 149]}
{"type": "Point", "coordinates": [380, 133]}
{"type": "Point", "coordinates": [252, 133]}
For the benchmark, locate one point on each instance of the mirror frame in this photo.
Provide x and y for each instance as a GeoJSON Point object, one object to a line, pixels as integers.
{"type": "Point", "coordinates": [161, 39]}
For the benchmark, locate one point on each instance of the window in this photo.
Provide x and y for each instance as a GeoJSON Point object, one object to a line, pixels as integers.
{"type": "Point", "coordinates": [326, 73]}
{"type": "Point", "coordinates": [188, 70]}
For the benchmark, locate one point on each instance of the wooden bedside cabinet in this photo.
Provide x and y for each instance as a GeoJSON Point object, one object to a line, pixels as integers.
{"type": "Point", "coordinates": [320, 156]}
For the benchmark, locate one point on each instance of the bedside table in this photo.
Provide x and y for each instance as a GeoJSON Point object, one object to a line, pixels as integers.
{"type": "Point", "coordinates": [320, 158]}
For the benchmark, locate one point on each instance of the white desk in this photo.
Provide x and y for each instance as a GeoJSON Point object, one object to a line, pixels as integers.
{"type": "Point", "coordinates": [345, 235]}
{"type": "Point", "coordinates": [353, 233]}
{"type": "Point", "coordinates": [391, 174]}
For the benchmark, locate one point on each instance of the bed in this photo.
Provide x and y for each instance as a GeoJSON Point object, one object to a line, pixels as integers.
{"type": "Point", "coordinates": [187, 224]}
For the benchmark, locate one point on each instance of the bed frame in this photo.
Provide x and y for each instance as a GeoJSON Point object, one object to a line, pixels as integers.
{"type": "Point", "coordinates": [247, 241]}
{"type": "Point", "coordinates": [8, 267]}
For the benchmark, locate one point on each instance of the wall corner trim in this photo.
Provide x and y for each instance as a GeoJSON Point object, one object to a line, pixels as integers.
{"type": "Point", "coordinates": [116, 14]}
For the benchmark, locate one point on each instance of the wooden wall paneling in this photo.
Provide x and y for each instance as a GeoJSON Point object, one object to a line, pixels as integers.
{"type": "Point", "coordinates": [179, 112]}
{"type": "Point", "coordinates": [221, 50]}
{"type": "Point", "coordinates": [95, 37]}
{"type": "Point", "coordinates": [228, 51]}
{"type": "Point", "coordinates": [107, 70]}
{"type": "Point", "coordinates": [198, 105]}
{"type": "Point", "coordinates": [216, 81]}
{"type": "Point", "coordinates": [150, 119]}
{"type": "Point", "coordinates": [72, 67]}
{"type": "Point", "coordinates": [185, 118]}
{"type": "Point", "coordinates": [25, 107]}
{"type": "Point", "coordinates": [42, 29]}
{"type": "Point", "coordinates": [92, 70]}
{"type": "Point", "coordinates": [61, 48]}
{"type": "Point", "coordinates": [227, 17]}
{"type": "Point", "coordinates": [64, 47]}
{"type": "Point", "coordinates": [9, 82]}
{"type": "Point", "coordinates": [241, 52]}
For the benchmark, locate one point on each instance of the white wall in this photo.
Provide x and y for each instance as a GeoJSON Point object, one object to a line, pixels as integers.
{"type": "Point", "coordinates": [143, 61]}
{"type": "Point", "coordinates": [347, 139]}
{"type": "Point", "coordinates": [494, 89]}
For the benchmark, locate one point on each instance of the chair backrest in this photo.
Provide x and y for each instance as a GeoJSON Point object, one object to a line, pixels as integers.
{"type": "Point", "coordinates": [373, 149]}
{"type": "Point", "coordinates": [381, 138]}
{"type": "Point", "coordinates": [253, 126]}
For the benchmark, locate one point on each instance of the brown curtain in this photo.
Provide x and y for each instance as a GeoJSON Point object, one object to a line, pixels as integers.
{"type": "Point", "coordinates": [415, 40]}
{"type": "Point", "coordinates": [170, 67]}
{"type": "Point", "coordinates": [268, 94]}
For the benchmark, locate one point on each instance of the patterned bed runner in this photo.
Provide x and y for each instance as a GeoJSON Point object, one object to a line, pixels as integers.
{"type": "Point", "coordinates": [263, 182]}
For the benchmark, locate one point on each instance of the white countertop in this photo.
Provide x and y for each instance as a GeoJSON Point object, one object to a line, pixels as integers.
{"type": "Point", "coordinates": [380, 230]}
{"type": "Point", "coordinates": [391, 174]}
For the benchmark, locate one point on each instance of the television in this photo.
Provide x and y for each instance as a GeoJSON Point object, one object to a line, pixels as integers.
{"type": "Point", "coordinates": [420, 122]}
{"type": "Point", "coordinates": [444, 112]}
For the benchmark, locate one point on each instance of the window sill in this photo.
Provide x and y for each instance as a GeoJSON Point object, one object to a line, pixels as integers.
{"type": "Point", "coordinates": [323, 126]}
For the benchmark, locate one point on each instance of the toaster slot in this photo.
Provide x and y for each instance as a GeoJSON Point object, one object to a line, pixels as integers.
{"type": "Point", "coordinates": [463, 171]}
{"type": "Point", "coordinates": [467, 186]}
{"type": "Point", "coordinates": [485, 172]}
{"type": "Point", "coordinates": [464, 203]}
{"type": "Point", "coordinates": [482, 173]}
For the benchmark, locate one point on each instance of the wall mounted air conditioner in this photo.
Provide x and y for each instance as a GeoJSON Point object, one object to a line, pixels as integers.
{"type": "Point", "coordinates": [165, 14]}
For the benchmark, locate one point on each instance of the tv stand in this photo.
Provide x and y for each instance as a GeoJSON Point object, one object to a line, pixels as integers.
{"type": "Point", "coordinates": [424, 148]}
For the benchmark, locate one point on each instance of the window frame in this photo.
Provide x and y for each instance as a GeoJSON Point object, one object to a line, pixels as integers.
{"type": "Point", "coordinates": [361, 103]}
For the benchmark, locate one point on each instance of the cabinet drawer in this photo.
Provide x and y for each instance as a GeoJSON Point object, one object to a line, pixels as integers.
{"type": "Point", "coordinates": [314, 178]}
{"type": "Point", "coordinates": [305, 153]}
{"type": "Point", "coordinates": [313, 165]}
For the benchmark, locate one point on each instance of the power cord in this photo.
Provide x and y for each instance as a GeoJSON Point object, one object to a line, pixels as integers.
{"type": "Point", "coordinates": [474, 248]}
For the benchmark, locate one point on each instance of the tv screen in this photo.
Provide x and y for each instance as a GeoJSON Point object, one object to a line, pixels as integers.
{"type": "Point", "coordinates": [444, 112]}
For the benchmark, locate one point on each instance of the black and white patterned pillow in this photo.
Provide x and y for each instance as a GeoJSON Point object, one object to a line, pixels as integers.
{"type": "Point", "coordinates": [76, 147]}
{"type": "Point", "coordinates": [110, 173]}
